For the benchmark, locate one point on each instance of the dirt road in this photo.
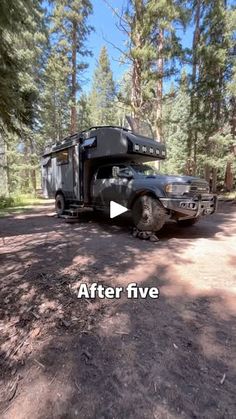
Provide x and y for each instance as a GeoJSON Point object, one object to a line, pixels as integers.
{"type": "Point", "coordinates": [61, 357]}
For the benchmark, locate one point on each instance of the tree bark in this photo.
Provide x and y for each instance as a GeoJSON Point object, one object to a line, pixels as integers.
{"type": "Point", "coordinates": [136, 94]}
{"type": "Point", "coordinates": [4, 173]}
{"type": "Point", "coordinates": [207, 173]}
{"type": "Point", "coordinates": [26, 171]}
{"type": "Point", "coordinates": [159, 91]}
{"type": "Point", "coordinates": [32, 169]}
{"type": "Point", "coordinates": [214, 180]}
{"type": "Point", "coordinates": [74, 79]}
{"type": "Point", "coordinates": [193, 134]}
{"type": "Point", "coordinates": [233, 115]}
{"type": "Point", "coordinates": [229, 178]}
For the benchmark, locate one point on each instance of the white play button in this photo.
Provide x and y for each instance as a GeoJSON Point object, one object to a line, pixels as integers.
{"type": "Point", "coordinates": [116, 209]}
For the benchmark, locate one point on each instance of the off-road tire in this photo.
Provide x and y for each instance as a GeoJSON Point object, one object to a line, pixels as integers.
{"type": "Point", "coordinates": [148, 213]}
{"type": "Point", "coordinates": [189, 222]}
{"type": "Point", "coordinates": [60, 204]}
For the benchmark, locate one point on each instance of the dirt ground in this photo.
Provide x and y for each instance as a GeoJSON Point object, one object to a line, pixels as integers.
{"type": "Point", "coordinates": [62, 357]}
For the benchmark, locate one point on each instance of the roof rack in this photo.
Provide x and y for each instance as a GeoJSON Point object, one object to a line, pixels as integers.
{"type": "Point", "coordinates": [105, 126]}
{"type": "Point", "coordinates": [70, 137]}
{"type": "Point", "coordinates": [64, 142]}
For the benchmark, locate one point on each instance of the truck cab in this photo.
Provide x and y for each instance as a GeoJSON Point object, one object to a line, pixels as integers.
{"type": "Point", "coordinates": [138, 186]}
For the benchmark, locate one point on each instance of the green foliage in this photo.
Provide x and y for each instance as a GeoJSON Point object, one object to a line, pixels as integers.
{"type": "Point", "coordinates": [55, 97]}
{"type": "Point", "coordinates": [17, 203]}
{"type": "Point", "coordinates": [18, 23]}
{"type": "Point", "coordinates": [175, 116]}
{"type": "Point", "coordinates": [70, 30]}
{"type": "Point", "coordinates": [209, 119]}
{"type": "Point", "coordinates": [220, 144]}
{"type": "Point", "coordinates": [102, 96]}
{"type": "Point", "coordinates": [153, 51]}
{"type": "Point", "coordinates": [42, 58]}
{"type": "Point", "coordinates": [85, 117]}
{"type": "Point", "coordinates": [65, 14]}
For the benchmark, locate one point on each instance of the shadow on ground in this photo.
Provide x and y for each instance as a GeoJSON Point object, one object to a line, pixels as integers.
{"type": "Point", "coordinates": [65, 358]}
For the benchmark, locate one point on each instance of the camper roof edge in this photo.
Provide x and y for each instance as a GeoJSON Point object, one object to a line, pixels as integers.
{"type": "Point", "coordinates": [76, 138]}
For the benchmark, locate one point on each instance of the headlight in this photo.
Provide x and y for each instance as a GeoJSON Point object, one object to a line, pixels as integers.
{"type": "Point", "coordinates": [177, 188]}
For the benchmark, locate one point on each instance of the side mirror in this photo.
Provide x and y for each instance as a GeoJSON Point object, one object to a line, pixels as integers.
{"type": "Point", "coordinates": [125, 174]}
{"type": "Point", "coordinates": [115, 171]}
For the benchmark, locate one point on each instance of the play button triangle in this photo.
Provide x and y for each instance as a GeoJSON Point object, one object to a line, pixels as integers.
{"type": "Point", "coordinates": [116, 209]}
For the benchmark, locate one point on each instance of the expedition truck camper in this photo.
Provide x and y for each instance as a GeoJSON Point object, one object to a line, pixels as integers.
{"type": "Point", "coordinates": [108, 163]}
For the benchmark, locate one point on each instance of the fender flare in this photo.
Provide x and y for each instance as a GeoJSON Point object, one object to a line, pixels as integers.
{"type": "Point", "coordinates": [59, 192]}
{"type": "Point", "coordinates": [157, 193]}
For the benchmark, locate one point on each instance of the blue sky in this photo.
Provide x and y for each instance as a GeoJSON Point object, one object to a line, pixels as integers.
{"type": "Point", "coordinates": [106, 33]}
{"type": "Point", "coordinates": [104, 23]}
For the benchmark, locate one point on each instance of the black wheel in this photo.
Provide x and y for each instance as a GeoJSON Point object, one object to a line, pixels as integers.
{"type": "Point", "coordinates": [188, 223]}
{"type": "Point", "coordinates": [148, 213]}
{"type": "Point", "coordinates": [60, 204]}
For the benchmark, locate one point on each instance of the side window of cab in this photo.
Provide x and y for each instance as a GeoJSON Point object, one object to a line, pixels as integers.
{"type": "Point", "coordinates": [125, 170]}
{"type": "Point", "coordinates": [104, 172]}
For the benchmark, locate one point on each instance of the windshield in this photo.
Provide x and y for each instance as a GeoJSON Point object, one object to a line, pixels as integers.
{"type": "Point", "coordinates": [144, 169]}
{"type": "Point", "coordinates": [140, 127]}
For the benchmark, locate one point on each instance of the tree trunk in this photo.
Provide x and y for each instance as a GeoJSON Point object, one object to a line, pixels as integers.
{"type": "Point", "coordinates": [74, 79]}
{"type": "Point", "coordinates": [32, 170]}
{"type": "Point", "coordinates": [33, 180]}
{"type": "Point", "coordinates": [26, 171]}
{"type": "Point", "coordinates": [229, 177]}
{"type": "Point", "coordinates": [136, 96]}
{"type": "Point", "coordinates": [214, 180]}
{"type": "Point", "coordinates": [233, 115]}
{"type": "Point", "coordinates": [159, 91]}
{"type": "Point", "coordinates": [193, 134]}
{"type": "Point", "coordinates": [137, 40]}
{"type": "Point", "coordinates": [207, 173]}
{"type": "Point", "coordinates": [55, 136]}
{"type": "Point", "coordinates": [4, 174]}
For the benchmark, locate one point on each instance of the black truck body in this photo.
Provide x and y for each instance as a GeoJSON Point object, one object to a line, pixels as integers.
{"type": "Point", "coordinates": [104, 164]}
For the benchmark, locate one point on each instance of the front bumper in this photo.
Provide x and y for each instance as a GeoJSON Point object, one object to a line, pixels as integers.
{"type": "Point", "coordinates": [191, 207]}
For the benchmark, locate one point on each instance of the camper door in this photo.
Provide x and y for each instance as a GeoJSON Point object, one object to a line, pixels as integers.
{"type": "Point", "coordinates": [64, 172]}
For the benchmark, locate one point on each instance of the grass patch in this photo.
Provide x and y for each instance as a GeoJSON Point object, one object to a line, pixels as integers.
{"type": "Point", "coordinates": [18, 203]}
{"type": "Point", "coordinates": [228, 195]}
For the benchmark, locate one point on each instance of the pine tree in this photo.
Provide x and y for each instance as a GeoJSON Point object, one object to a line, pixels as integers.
{"type": "Point", "coordinates": [176, 111]}
{"type": "Point", "coordinates": [211, 67]}
{"type": "Point", "coordinates": [32, 47]}
{"type": "Point", "coordinates": [23, 91]}
{"type": "Point", "coordinates": [165, 48]}
{"type": "Point", "coordinates": [70, 27]}
{"type": "Point", "coordinates": [55, 112]}
{"type": "Point", "coordinates": [153, 48]}
{"type": "Point", "coordinates": [85, 117]}
{"type": "Point", "coordinates": [15, 22]}
{"type": "Point", "coordinates": [194, 103]}
{"type": "Point", "coordinates": [103, 92]}
{"type": "Point", "coordinates": [123, 105]}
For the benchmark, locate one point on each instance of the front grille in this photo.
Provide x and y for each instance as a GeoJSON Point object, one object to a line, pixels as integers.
{"type": "Point", "coordinates": [199, 188]}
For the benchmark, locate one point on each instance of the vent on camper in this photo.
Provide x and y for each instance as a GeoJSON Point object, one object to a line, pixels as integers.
{"type": "Point", "coordinates": [90, 142]}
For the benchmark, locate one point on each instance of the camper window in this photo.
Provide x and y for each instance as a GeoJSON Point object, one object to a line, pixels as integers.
{"type": "Point", "coordinates": [62, 157]}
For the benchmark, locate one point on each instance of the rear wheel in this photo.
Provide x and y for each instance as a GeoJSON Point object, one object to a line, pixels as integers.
{"type": "Point", "coordinates": [148, 213]}
{"type": "Point", "coordinates": [189, 222]}
{"type": "Point", "coordinates": [60, 204]}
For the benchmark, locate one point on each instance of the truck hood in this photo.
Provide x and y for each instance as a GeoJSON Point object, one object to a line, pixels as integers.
{"type": "Point", "coordinates": [164, 179]}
